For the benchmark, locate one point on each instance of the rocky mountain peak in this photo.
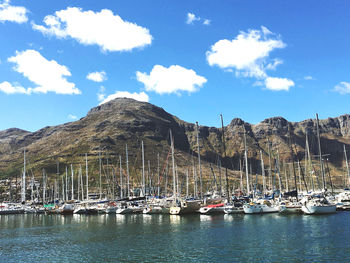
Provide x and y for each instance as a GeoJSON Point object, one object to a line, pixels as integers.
{"type": "Point", "coordinates": [122, 121]}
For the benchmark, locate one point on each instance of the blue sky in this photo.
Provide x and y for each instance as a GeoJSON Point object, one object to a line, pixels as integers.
{"type": "Point", "coordinates": [196, 59]}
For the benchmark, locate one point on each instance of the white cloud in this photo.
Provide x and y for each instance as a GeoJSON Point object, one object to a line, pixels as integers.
{"type": "Point", "coordinates": [47, 74]}
{"type": "Point", "coordinates": [8, 88]}
{"type": "Point", "coordinates": [308, 78]}
{"type": "Point", "coordinates": [247, 53]}
{"type": "Point", "coordinates": [206, 22]}
{"type": "Point", "coordinates": [192, 18]}
{"type": "Point", "coordinates": [342, 88]}
{"type": "Point", "coordinates": [72, 117]}
{"type": "Point", "coordinates": [171, 80]}
{"type": "Point", "coordinates": [278, 84]}
{"type": "Point", "coordinates": [11, 13]}
{"type": "Point", "coordinates": [125, 94]}
{"type": "Point", "coordinates": [103, 28]}
{"type": "Point", "coordinates": [101, 95]}
{"type": "Point", "coordinates": [97, 76]}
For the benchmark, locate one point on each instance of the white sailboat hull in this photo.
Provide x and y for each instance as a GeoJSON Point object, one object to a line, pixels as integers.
{"type": "Point", "coordinates": [211, 210]}
{"type": "Point", "coordinates": [124, 211]}
{"type": "Point", "coordinates": [260, 209]}
{"type": "Point", "coordinates": [152, 210]}
{"type": "Point", "coordinates": [318, 209]}
{"type": "Point", "coordinates": [233, 210]}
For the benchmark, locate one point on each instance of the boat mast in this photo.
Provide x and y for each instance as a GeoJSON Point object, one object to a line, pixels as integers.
{"type": "Point", "coordinates": [246, 163]}
{"type": "Point", "coordinates": [143, 171]}
{"type": "Point", "coordinates": [44, 187]}
{"type": "Point", "coordinates": [158, 183]}
{"type": "Point", "coordinates": [299, 175]}
{"type": "Point", "coordinates": [199, 163]}
{"type": "Point", "coordinates": [166, 177]}
{"type": "Point", "coordinates": [240, 175]}
{"type": "Point", "coordinates": [173, 163]}
{"type": "Point", "coordinates": [187, 183]}
{"type": "Point", "coordinates": [71, 168]}
{"type": "Point", "coordinates": [63, 195]}
{"type": "Point", "coordinates": [279, 173]}
{"type": "Point", "coordinates": [23, 192]}
{"type": "Point", "coordinates": [286, 175]}
{"type": "Point", "coordinates": [263, 172]}
{"type": "Point", "coordinates": [270, 167]}
{"type": "Point", "coordinates": [195, 191]}
{"type": "Point", "coordinates": [100, 172]}
{"type": "Point", "coordinates": [121, 176]}
{"type": "Point", "coordinates": [220, 177]}
{"type": "Point", "coordinates": [32, 188]}
{"type": "Point", "coordinates": [346, 163]}
{"type": "Point", "coordinates": [224, 145]}
{"type": "Point", "coordinates": [79, 183]}
{"type": "Point", "coordinates": [127, 168]}
{"type": "Point", "coordinates": [292, 153]}
{"type": "Point", "coordinates": [87, 177]}
{"type": "Point", "coordinates": [177, 182]}
{"type": "Point", "coordinates": [114, 181]}
{"type": "Point", "coordinates": [320, 152]}
{"type": "Point", "coordinates": [66, 183]}
{"type": "Point", "coordinates": [309, 161]}
{"type": "Point", "coordinates": [56, 190]}
{"type": "Point", "coordinates": [149, 177]}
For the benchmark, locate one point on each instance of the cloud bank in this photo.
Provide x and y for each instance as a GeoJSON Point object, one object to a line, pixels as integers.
{"type": "Point", "coordinates": [174, 79]}
{"type": "Point", "coordinates": [17, 14]}
{"type": "Point", "coordinates": [110, 32]}
{"type": "Point", "coordinates": [249, 55]}
{"type": "Point", "coordinates": [48, 75]}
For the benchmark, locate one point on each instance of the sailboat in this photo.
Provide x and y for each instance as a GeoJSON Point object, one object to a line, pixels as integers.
{"type": "Point", "coordinates": [179, 205]}
{"type": "Point", "coordinates": [318, 204]}
{"type": "Point", "coordinates": [185, 207]}
{"type": "Point", "coordinates": [124, 208]}
{"type": "Point", "coordinates": [152, 209]}
{"type": "Point", "coordinates": [292, 205]}
{"type": "Point", "coordinates": [67, 209]}
{"type": "Point", "coordinates": [212, 209]}
{"type": "Point", "coordinates": [257, 206]}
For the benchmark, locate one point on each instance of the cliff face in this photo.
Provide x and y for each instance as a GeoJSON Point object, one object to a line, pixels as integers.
{"type": "Point", "coordinates": [109, 127]}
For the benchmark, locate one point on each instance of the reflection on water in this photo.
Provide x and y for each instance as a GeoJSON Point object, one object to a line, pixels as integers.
{"type": "Point", "coordinates": [171, 238]}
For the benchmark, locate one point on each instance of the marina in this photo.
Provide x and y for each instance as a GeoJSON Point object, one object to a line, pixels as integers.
{"type": "Point", "coordinates": [149, 197]}
{"type": "Point", "coordinates": [174, 131]}
{"type": "Point", "coordinates": [152, 198]}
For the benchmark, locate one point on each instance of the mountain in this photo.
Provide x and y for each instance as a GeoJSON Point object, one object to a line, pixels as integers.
{"type": "Point", "coordinates": [110, 126]}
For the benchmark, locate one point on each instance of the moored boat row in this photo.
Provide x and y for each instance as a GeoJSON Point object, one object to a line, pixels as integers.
{"type": "Point", "coordinates": [308, 204]}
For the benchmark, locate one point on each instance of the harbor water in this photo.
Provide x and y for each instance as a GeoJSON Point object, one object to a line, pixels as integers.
{"type": "Point", "coordinates": [168, 238]}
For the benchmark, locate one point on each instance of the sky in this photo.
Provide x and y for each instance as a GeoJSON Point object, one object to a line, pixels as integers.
{"type": "Point", "coordinates": [197, 59]}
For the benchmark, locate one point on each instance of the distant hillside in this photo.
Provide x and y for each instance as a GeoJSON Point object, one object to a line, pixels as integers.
{"type": "Point", "coordinates": [111, 126]}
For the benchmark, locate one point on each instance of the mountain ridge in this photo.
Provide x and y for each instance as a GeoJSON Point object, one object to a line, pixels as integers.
{"type": "Point", "coordinates": [112, 125]}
